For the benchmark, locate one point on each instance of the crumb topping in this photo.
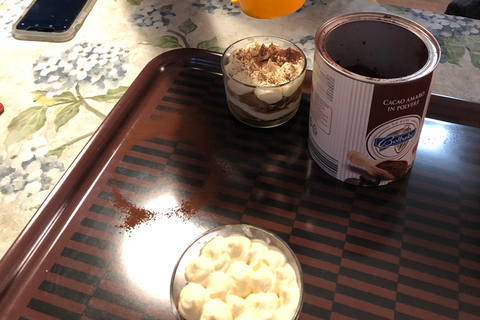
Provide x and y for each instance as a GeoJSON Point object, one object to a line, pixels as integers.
{"type": "Point", "coordinates": [262, 64]}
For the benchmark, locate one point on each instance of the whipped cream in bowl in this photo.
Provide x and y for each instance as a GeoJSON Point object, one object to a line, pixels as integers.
{"type": "Point", "coordinates": [263, 78]}
{"type": "Point", "coordinates": [237, 272]}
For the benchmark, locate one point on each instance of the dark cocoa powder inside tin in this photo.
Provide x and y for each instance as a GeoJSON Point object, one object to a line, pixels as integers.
{"type": "Point", "coordinates": [365, 71]}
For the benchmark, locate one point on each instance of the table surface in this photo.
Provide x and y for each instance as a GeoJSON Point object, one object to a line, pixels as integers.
{"type": "Point", "coordinates": [56, 95]}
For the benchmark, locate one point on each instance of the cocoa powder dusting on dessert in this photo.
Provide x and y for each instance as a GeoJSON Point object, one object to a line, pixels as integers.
{"type": "Point", "coordinates": [261, 61]}
{"type": "Point", "coordinates": [272, 53]}
{"type": "Point", "coordinates": [289, 55]}
{"type": "Point", "coordinates": [395, 168]}
{"type": "Point", "coordinates": [264, 54]}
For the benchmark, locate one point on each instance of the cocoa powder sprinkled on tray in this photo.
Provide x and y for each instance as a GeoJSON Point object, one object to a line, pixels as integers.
{"type": "Point", "coordinates": [134, 216]}
{"type": "Point", "coordinates": [174, 127]}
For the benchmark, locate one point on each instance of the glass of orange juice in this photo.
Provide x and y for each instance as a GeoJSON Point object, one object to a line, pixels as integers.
{"type": "Point", "coordinates": [266, 9]}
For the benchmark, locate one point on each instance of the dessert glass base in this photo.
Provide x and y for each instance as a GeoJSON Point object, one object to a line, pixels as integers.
{"type": "Point", "coordinates": [265, 119]}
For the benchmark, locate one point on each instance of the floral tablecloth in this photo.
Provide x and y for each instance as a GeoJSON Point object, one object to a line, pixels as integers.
{"type": "Point", "coordinates": [56, 94]}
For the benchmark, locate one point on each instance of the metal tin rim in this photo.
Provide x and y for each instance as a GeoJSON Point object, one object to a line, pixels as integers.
{"type": "Point", "coordinates": [428, 39]}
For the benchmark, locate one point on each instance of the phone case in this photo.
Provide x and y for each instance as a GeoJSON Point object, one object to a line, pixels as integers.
{"type": "Point", "coordinates": [53, 36]}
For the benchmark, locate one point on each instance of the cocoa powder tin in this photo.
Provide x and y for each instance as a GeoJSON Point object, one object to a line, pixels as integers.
{"type": "Point", "coordinates": [371, 85]}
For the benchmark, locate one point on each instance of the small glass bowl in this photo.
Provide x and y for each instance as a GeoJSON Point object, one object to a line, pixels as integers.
{"type": "Point", "coordinates": [178, 281]}
{"type": "Point", "coordinates": [247, 102]}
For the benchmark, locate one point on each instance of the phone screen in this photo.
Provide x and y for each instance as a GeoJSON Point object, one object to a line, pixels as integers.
{"type": "Point", "coordinates": [51, 15]}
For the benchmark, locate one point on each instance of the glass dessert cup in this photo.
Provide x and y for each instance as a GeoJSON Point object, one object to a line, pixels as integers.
{"type": "Point", "coordinates": [263, 106]}
{"type": "Point", "coordinates": [178, 281]}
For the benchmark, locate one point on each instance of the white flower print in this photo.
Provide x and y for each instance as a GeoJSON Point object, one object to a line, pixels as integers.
{"type": "Point", "coordinates": [47, 66]}
{"type": "Point", "coordinates": [28, 174]}
{"type": "Point", "coordinates": [96, 64]}
{"type": "Point", "coordinates": [222, 6]}
{"type": "Point", "coordinates": [10, 15]}
{"type": "Point", "coordinates": [152, 15]}
{"type": "Point", "coordinates": [446, 25]}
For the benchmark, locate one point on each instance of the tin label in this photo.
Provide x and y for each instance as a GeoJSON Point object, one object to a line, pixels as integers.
{"type": "Point", "coordinates": [376, 122]}
{"type": "Point", "coordinates": [396, 118]}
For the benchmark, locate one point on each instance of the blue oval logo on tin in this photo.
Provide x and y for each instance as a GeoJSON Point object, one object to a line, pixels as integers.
{"type": "Point", "coordinates": [393, 139]}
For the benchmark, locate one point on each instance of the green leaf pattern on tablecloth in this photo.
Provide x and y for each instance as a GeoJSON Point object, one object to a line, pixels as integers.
{"type": "Point", "coordinates": [211, 45]}
{"type": "Point", "coordinates": [135, 2]}
{"type": "Point", "coordinates": [473, 47]}
{"type": "Point", "coordinates": [13, 183]}
{"type": "Point", "coordinates": [33, 119]}
{"type": "Point", "coordinates": [112, 95]}
{"type": "Point", "coordinates": [167, 42]}
{"type": "Point", "coordinates": [455, 35]}
{"type": "Point", "coordinates": [25, 124]}
{"type": "Point", "coordinates": [454, 48]}
{"type": "Point", "coordinates": [395, 9]}
{"type": "Point", "coordinates": [65, 97]}
{"type": "Point", "coordinates": [175, 41]}
{"type": "Point", "coordinates": [475, 58]}
{"type": "Point", "coordinates": [57, 151]}
{"type": "Point", "coordinates": [158, 18]}
{"type": "Point", "coordinates": [187, 27]}
{"type": "Point", "coordinates": [71, 107]}
{"type": "Point", "coordinates": [66, 114]}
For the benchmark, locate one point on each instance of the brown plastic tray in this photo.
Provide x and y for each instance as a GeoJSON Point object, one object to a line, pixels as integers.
{"type": "Point", "coordinates": [105, 242]}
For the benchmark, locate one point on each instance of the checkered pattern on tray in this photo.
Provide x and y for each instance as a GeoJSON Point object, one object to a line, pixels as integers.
{"type": "Point", "coordinates": [410, 250]}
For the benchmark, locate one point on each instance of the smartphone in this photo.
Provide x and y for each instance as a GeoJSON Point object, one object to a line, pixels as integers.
{"type": "Point", "coordinates": [52, 20]}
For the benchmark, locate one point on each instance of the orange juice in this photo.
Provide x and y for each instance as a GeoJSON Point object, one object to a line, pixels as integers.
{"type": "Point", "coordinates": [266, 9]}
